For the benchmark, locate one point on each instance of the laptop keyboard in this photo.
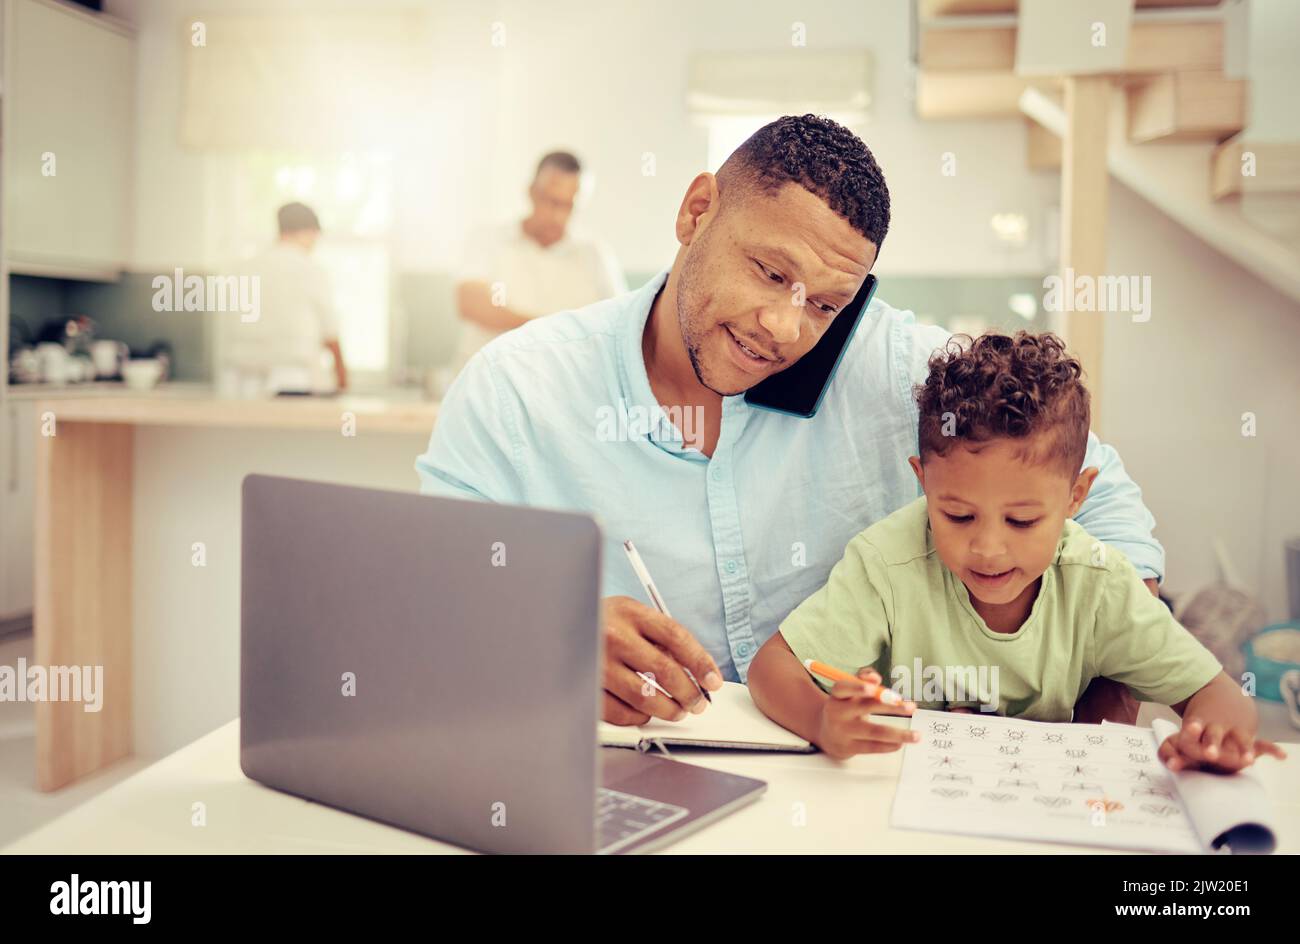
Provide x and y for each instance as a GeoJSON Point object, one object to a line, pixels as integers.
{"type": "Point", "coordinates": [622, 819]}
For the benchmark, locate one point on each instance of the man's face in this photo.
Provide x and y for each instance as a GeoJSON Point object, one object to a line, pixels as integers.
{"type": "Point", "coordinates": [553, 194]}
{"type": "Point", "coordinates": [996, 518]}
{"type": "Point", "coordinates": [761, 281]}
{"type": "Point", "coordinates": [305, 238]}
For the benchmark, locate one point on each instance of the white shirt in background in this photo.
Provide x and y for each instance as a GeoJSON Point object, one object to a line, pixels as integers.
{"type": "Point", "coordinates": [570, 273]}
{"type": "Point", "coordinates": [284, 347]}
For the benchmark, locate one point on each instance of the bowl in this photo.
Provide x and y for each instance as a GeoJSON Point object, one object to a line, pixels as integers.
{"type": "Point", "coordinates": [1267, 670]}
{"type": "Point", "coordinates": [142, 374]}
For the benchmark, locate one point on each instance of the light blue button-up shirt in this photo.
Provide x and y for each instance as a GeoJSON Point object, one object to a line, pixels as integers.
{"type": "Point", "coordinates": [559, 414]}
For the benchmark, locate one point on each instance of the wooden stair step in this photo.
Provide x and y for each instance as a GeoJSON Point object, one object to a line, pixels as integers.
{"type": "Point", "coordinates": [1153, 47]}
{"type": "Point", "coordinates": [929, 9]}
{"type": "Point", "coordinates": [1186, 106]}
{"type": "Point", "coordinates": [1273, 166]}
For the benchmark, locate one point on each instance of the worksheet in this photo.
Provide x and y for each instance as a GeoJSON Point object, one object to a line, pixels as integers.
{"type": "Point", "coordinates": [1088, 784]}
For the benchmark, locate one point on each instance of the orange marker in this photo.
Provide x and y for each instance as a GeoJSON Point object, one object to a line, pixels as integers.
{"type": "Point", "coordinates": [871, 689]}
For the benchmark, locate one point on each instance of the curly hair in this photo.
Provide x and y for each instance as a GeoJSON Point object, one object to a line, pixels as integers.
{"type": "Point", "coordinates": [1001, 386]}
{"type": "Point", "coordinates": [824, 158]}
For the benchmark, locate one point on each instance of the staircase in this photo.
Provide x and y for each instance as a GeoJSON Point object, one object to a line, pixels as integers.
{"type": "Point", "coordinates": [1152, 92]}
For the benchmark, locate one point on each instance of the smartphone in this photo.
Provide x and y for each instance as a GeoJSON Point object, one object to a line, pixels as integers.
{"type": "Point", "coordinates": [799, 389]}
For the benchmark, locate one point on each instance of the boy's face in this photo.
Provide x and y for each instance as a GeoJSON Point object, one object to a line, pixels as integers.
{"type": "Point", "coordinates": [997, 519]}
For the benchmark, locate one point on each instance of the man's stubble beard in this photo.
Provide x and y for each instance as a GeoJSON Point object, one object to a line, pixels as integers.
{"type": "Point", "coordinates": [686, 302]}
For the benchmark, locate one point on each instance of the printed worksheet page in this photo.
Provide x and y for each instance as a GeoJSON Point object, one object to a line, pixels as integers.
{"type": "Point", "coordinates": [986, 775]}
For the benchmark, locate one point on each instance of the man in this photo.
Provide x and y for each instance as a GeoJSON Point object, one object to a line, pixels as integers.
{"type": "Point", "coordinates": [282, 348]}
{"type": "Point", "coordinates": [741, 524]}
{"type": "Point", "coordinates": [515, 273]}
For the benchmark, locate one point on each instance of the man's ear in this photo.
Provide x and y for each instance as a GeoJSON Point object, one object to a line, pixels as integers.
{"type": "Point", "coordinates": [915, 463]}
{"type": "Point", "coordinates": [1082, 485]}
{"type": "Point", "coordinates": [698, 207]}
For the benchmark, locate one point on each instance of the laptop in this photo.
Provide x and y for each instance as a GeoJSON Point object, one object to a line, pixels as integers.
{"type": "Point", "coordinates": [433, 664]}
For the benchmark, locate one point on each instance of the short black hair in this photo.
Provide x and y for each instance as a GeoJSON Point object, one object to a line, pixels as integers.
{"type": "Point", "coordinates": [296, 217]}
{"type": "Point", "coordinates": [561, 161]}
{"type": "Point", "coordinates": [824, 158]}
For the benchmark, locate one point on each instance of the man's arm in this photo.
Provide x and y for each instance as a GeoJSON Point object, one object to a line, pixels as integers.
{"type": "Point", "coordinates": [472, 452]}
{"type": "Point", "coordinates": [1107, 700]}
{"type": "Point", "coordinates": [327, 320]}
{"type": "Point", "coordinates": [475, 452]}
{"type": "Point", "coordinates": [340, 368]}
{"type": "Point", "coordinates": [479, 267]}
{"type": "Point", "coordinates": [474, 302]}
{"type": "Point", "coordinates": [1114, 514]}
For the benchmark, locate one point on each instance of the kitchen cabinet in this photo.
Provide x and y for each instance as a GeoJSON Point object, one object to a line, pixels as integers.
{"type": "Point", "coordinates": [69, 104]}
{"type": "Point", "coordinates": [17, 507]}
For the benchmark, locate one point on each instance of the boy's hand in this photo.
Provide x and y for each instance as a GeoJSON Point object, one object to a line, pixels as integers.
{"type": "Point", "coordinates": [1220, 748]}
{"type": "Point", "coordinates": [846, 728]}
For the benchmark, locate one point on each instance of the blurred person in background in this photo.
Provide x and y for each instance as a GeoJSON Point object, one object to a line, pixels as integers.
{"type": "Point", "coordinates": [282, 350]}
{"type": "Point", "coordinates": [522, 270]}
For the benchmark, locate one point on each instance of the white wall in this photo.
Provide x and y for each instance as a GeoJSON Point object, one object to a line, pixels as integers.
{"type": "Point", "coordinates": [171, 224]}
{"type": "Point", "coordinates": [608, 81]}
{"type": "Point", "coordinates": [1219, 343]}
{"type": "Point", "coordinates": [185, 628]}
{"type": "Point", "coordinates": [1273, 69]}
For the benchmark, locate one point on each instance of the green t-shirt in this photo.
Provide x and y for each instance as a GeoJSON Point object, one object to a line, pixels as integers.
{"type": "Point", "coordinates": [891, 603]}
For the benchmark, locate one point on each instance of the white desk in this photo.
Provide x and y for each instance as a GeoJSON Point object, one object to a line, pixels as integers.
{"type": "Point", "coordinates": [846, 808]}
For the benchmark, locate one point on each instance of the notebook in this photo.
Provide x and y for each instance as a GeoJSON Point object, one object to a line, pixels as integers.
{"type": "Point", "coordinates": [1089, 784]}
{"type": "Point", "coordinates": [732, 721]}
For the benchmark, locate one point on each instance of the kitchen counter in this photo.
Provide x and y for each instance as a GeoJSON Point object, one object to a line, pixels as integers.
{"type": "Point", "coordinates": [104, 388]}
{"type": "Point", "coordinates": [381, 413]}
{"type": "Point", "coordinates": [394, 409]}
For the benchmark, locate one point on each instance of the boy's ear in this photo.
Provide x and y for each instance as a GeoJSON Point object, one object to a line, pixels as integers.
{"type": "Point", "coordinates": [915, 463]}
{"type": "Point", "coordinates": [1082, 485]}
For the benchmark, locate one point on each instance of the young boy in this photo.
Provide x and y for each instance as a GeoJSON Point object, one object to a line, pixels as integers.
{"type": "Point", "coordinates": [987, 576]}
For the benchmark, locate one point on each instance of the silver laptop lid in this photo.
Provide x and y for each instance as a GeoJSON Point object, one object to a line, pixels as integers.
{"type": "Point", "coordinates": [361, 611]}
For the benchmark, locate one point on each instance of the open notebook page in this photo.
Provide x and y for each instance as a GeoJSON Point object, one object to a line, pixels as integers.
{"type": "Point", "coordinates": [733, 720]}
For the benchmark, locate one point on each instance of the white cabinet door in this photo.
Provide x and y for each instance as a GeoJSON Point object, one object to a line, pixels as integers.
{"type": "Point", "coordinates": [17, 507]}
{"type": "Point", "coordinates": [70, 98]}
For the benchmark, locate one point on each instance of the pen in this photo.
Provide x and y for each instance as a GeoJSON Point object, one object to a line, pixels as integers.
{"type": "Point", "coordinates": [649, 680]}
{"type": "Point", "coordinates": [648, 584]}
{"type": "Point", "coordinates": [886, 695]}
